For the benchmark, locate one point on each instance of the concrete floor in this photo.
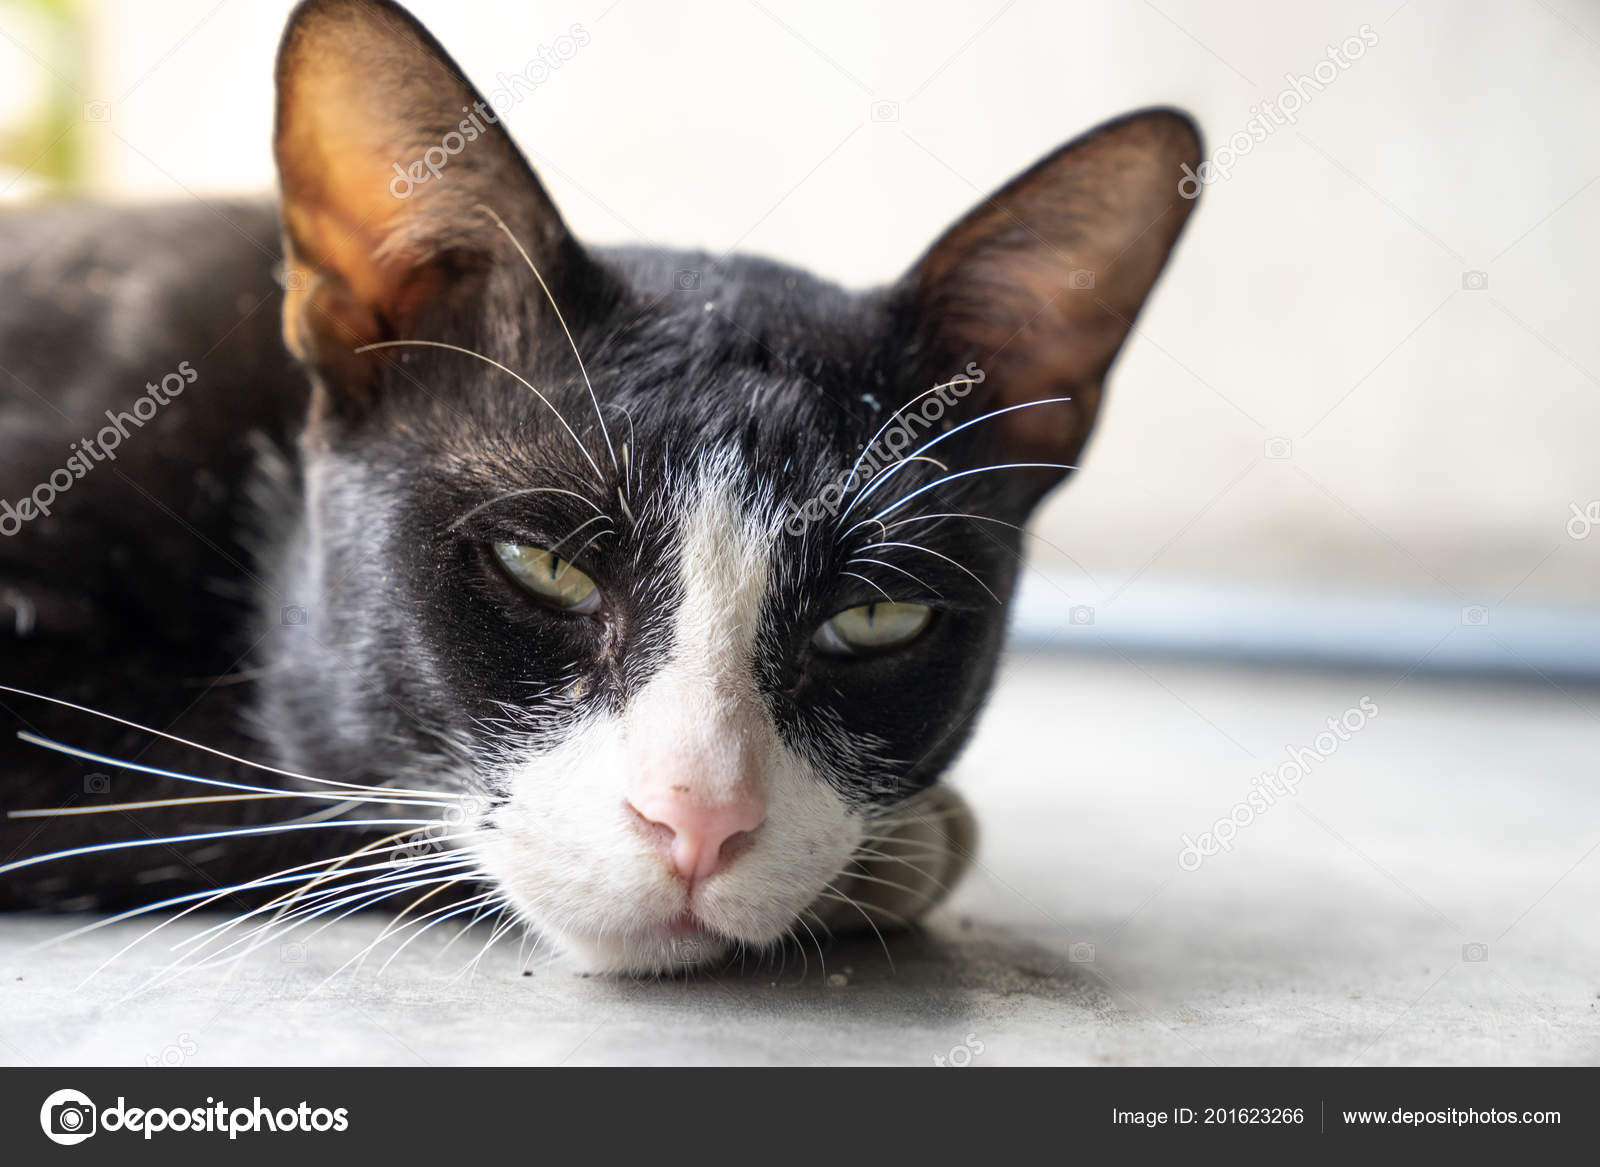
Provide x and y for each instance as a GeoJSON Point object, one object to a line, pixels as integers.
{"type": "Point", "coordinates": [1335, 931]}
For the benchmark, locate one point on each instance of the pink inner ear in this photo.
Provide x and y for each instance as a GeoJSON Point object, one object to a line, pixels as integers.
{"type": "Point", "coordinates": [364, 92]}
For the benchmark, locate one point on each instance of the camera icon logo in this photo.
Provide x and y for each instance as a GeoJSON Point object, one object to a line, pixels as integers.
{"type": "Point", "coordinates": [1475, 281]}
{"type": "Point", "coordinates": [293, 953]}
{"type": "Point", "coordinates": [686, 280]}
{"type": "Point", "coordinates": [1278, 449]}
{"type": "Point", "coordinates": [1080, 279]}
{"type": "Point", "coordinates": [1475, 953]}
{"type": "Point", "coordinates": [97, 783]}
{"type": "Point", "coordinates": [1475, 616]}
{"type": "Point", "coordinates": [1081, 615]}
{"type": "Point", "coordinates": [68, 1117]}
{"type": "Point", "coordinates": [293, 616]}
{"type": "Point", "coordinates": [1081, 953]}
{"type": "Point", "coordinates": [97, 111]}
{"type": "Point", "coordinates": [886, 111]}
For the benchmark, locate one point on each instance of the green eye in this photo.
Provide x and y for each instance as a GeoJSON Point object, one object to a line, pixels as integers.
{"type": "Point", "coordinates": [550, 578]}
{"type": "Point", "coordinates": [872, 628]}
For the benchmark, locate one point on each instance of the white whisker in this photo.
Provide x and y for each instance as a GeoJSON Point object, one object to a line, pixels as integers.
{"type": "Point", "coordinates": [235, 832]}
{"type": "Point", "coordinates": [151, 804]}
{"type": "Point", "coordinates": [310, 903]}
{"type": "Point", "coordinates": [569, 560]}
{"type": "Point", "coordinates": [331, 898]}
{"type": "Point", "coordinates": [205, 898]}
{"type": "Point", "coordinates": [556, 308]}
{"type": "Point", "coordinates": [207, 749]}
{"type": "Point", "coordinates": [893, 567]}
{"type": "Point", "coordinates": [449, 912]}
{"type": "Point", "coordinates": [518, 494]}
{"type": "Point", "coordinates": [832, 892]}
{"type": "Point", "coordinates": [405, 796]}
{"type": "Point", "coordinates": [938, 555]}
{"type": "Point", "coordinates": [892, 507]}
{"type": "Point", "coordinates": [869, 583]}
{"type": "Point", "coordinates": [390, 927]}
{"type": "Point", "coordinates": [950, 515]}
{"type": "Point", "coordinates": [949, 433]}
{"type": "Point", "coordinates": [523, 381]}
{"type": "Point", "coordinates": [890, 421]}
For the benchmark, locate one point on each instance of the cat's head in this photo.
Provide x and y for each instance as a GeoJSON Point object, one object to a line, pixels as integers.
{"type": "Point", "coordinates": [694, 616]}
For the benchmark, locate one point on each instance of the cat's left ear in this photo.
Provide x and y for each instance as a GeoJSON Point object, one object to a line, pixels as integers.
{"type": "Point", "coordinates": [1040, 284]}
{"type": "Point", "coordinates": [387, 158]}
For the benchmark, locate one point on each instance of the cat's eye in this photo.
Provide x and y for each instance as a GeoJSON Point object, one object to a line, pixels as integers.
{"type": "Point", "coordinates": [552, 580]}
{"type": "Point", "coordinates": [872, 628]}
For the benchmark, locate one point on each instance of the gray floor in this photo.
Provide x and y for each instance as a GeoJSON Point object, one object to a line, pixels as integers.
{"type": "Point", "coordinates": [1334, 932]}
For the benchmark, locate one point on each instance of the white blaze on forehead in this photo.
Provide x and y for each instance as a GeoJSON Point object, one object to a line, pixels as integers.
{"type": "Point", "coordinates": [699, 724]}
{"type": "Point", "coordinates": [726, 549]}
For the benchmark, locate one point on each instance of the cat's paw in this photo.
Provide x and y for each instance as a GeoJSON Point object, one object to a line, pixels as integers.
{"type": "Point", "coordinates": [908, 865]}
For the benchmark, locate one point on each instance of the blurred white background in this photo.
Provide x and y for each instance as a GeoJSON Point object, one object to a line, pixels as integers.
{"type": "Point", "coordinates": [1322, 396]}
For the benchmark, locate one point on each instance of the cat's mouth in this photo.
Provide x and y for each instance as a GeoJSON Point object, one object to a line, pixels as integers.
{"type": "Point", "coordinates": [687, 925]}
{"type": "Point", "coordinates": [695, 933]}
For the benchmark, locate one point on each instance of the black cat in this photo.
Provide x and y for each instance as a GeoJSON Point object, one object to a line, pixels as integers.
{"type": "Point", "coordinates": [647, 609]}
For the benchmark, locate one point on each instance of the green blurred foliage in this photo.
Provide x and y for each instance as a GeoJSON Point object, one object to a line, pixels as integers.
{"type": "Point", "coordinates": [44, 142]}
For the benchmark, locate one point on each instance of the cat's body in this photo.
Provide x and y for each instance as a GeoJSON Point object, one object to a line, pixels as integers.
{"type": "Point", "coordinates": [135, 594]}
{"type": "Point", "coordinates": [764, 657]}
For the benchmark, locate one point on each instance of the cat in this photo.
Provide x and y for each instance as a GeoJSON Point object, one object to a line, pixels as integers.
{"type": "Point", "coordinates": [638, 596]}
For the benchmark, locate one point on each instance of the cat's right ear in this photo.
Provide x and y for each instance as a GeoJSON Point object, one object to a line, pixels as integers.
{"type": "Point", "coordinates": [390, 165]}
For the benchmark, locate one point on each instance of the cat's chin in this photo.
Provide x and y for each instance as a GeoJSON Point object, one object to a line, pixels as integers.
{"type": "Point", "coordinates": [676, 946]}
{"type": "Point", "coordinates": [665, 951]}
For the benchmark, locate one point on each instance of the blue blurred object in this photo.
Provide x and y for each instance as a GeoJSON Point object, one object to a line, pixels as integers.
{"type": "Point", "coordinates": [1165, 618]}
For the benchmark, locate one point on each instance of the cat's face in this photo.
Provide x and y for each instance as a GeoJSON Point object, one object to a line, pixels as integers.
{"type": "Point", "coordinates": [694, 617]}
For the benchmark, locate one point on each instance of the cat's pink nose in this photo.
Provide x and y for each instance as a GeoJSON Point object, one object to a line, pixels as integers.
{"type": "Point", "coordinates": [698, 836]}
